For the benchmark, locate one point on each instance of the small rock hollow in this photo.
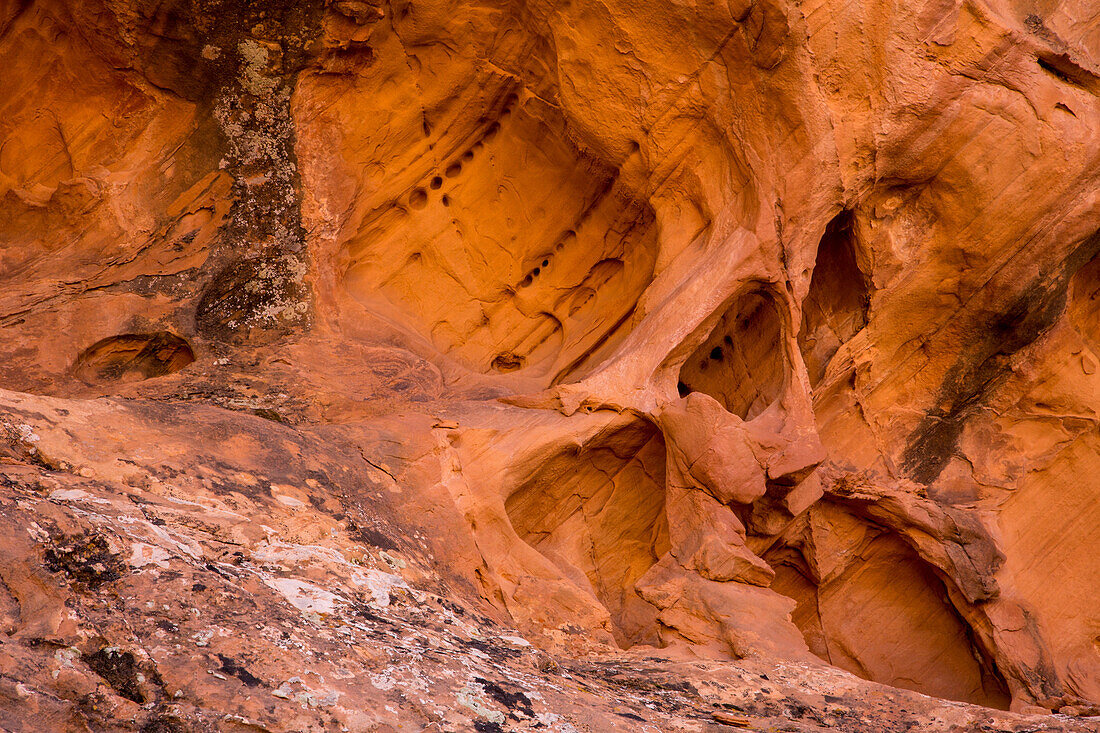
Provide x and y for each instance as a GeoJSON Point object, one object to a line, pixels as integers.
{"type": "Point", "coordinates": [598, 513]}
{"type": "Point", "coordinates": [741, 364]}
{"type": "Point", "coordinates": [132, 357]}
{"type": "Point", "coordinates": [837, 304]}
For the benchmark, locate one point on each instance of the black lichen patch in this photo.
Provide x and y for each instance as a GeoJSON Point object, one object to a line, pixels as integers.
{"type": "Point", "coordinates": [635, 680]}
{"type": "Point", "coordinates": [229, 666]}
{"type": "Point", "coordinates": [513, 701]}
{"type": "Point", "coordinates": [371, 536]}
{"type": "Point", "coordinates": [86, 560]}
{"type": "Point", "coordinates": [931, 445]}
{"type": "Point", "coordinates": [256, 290]}
{"type": "Point", "coordinates": [268, 414]}
{"type": "Point", "coordinates": [119, 669]}
{"type": "Point", "coordinates": [163, 724]}
{"type": "Point", "coordinates": [253, 293]}
{"type": "Point", "coordinates": [658, 691]}
{"type": "Point", "coordinates": [486, 726]}
{"type": "Point", "coordinates": [495, 652]}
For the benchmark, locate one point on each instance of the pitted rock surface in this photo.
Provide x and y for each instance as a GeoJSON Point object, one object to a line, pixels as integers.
{"type": "Point", "coordinates": [377, 366]}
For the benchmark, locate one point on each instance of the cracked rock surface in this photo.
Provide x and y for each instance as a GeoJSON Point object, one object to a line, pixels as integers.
{"type": "Point", "coordinates": [491, 366]}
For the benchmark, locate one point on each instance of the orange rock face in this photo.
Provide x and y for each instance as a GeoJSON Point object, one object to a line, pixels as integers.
{"type": "Point", "coordinates": [580, 366]}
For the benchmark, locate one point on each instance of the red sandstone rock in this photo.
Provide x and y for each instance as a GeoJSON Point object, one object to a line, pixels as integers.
{"type": "Point", "coordinates": [588, 366]}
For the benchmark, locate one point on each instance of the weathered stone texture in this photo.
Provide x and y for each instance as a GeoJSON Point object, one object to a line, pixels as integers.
{"type": "Point", "coordinates": [497, 365]}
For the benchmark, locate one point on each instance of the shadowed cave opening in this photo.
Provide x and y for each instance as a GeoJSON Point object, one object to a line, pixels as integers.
{"type": "Point", "coordinates": [835, 309]}
{"type": "Point", "coordinates": [132, 357]}
{"type": "Point", "coordinates": [741, 364]}
{"type": "Point", "coordinates": [884, 614]}
{"type": "Point", "coordinates": [598, 513]}
{"type": "Point", "coordinates": [520, 252]}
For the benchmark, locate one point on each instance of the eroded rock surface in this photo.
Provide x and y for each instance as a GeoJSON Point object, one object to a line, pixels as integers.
{"type": "Point", "coordinates": [568, 366]}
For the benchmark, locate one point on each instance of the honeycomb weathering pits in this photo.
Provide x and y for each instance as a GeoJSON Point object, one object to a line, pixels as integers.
{"type": "Point", "coordinates": [522, 255]}
{"type": "Point", "coordinates": [487, 366]}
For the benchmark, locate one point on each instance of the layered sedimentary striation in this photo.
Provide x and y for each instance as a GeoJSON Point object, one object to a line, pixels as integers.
{"type": "Point", "coordinates": [502, 365]}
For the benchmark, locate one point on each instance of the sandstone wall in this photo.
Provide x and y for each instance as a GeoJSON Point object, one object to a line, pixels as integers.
{"type": "Point", "coordinates": [735, 330]}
